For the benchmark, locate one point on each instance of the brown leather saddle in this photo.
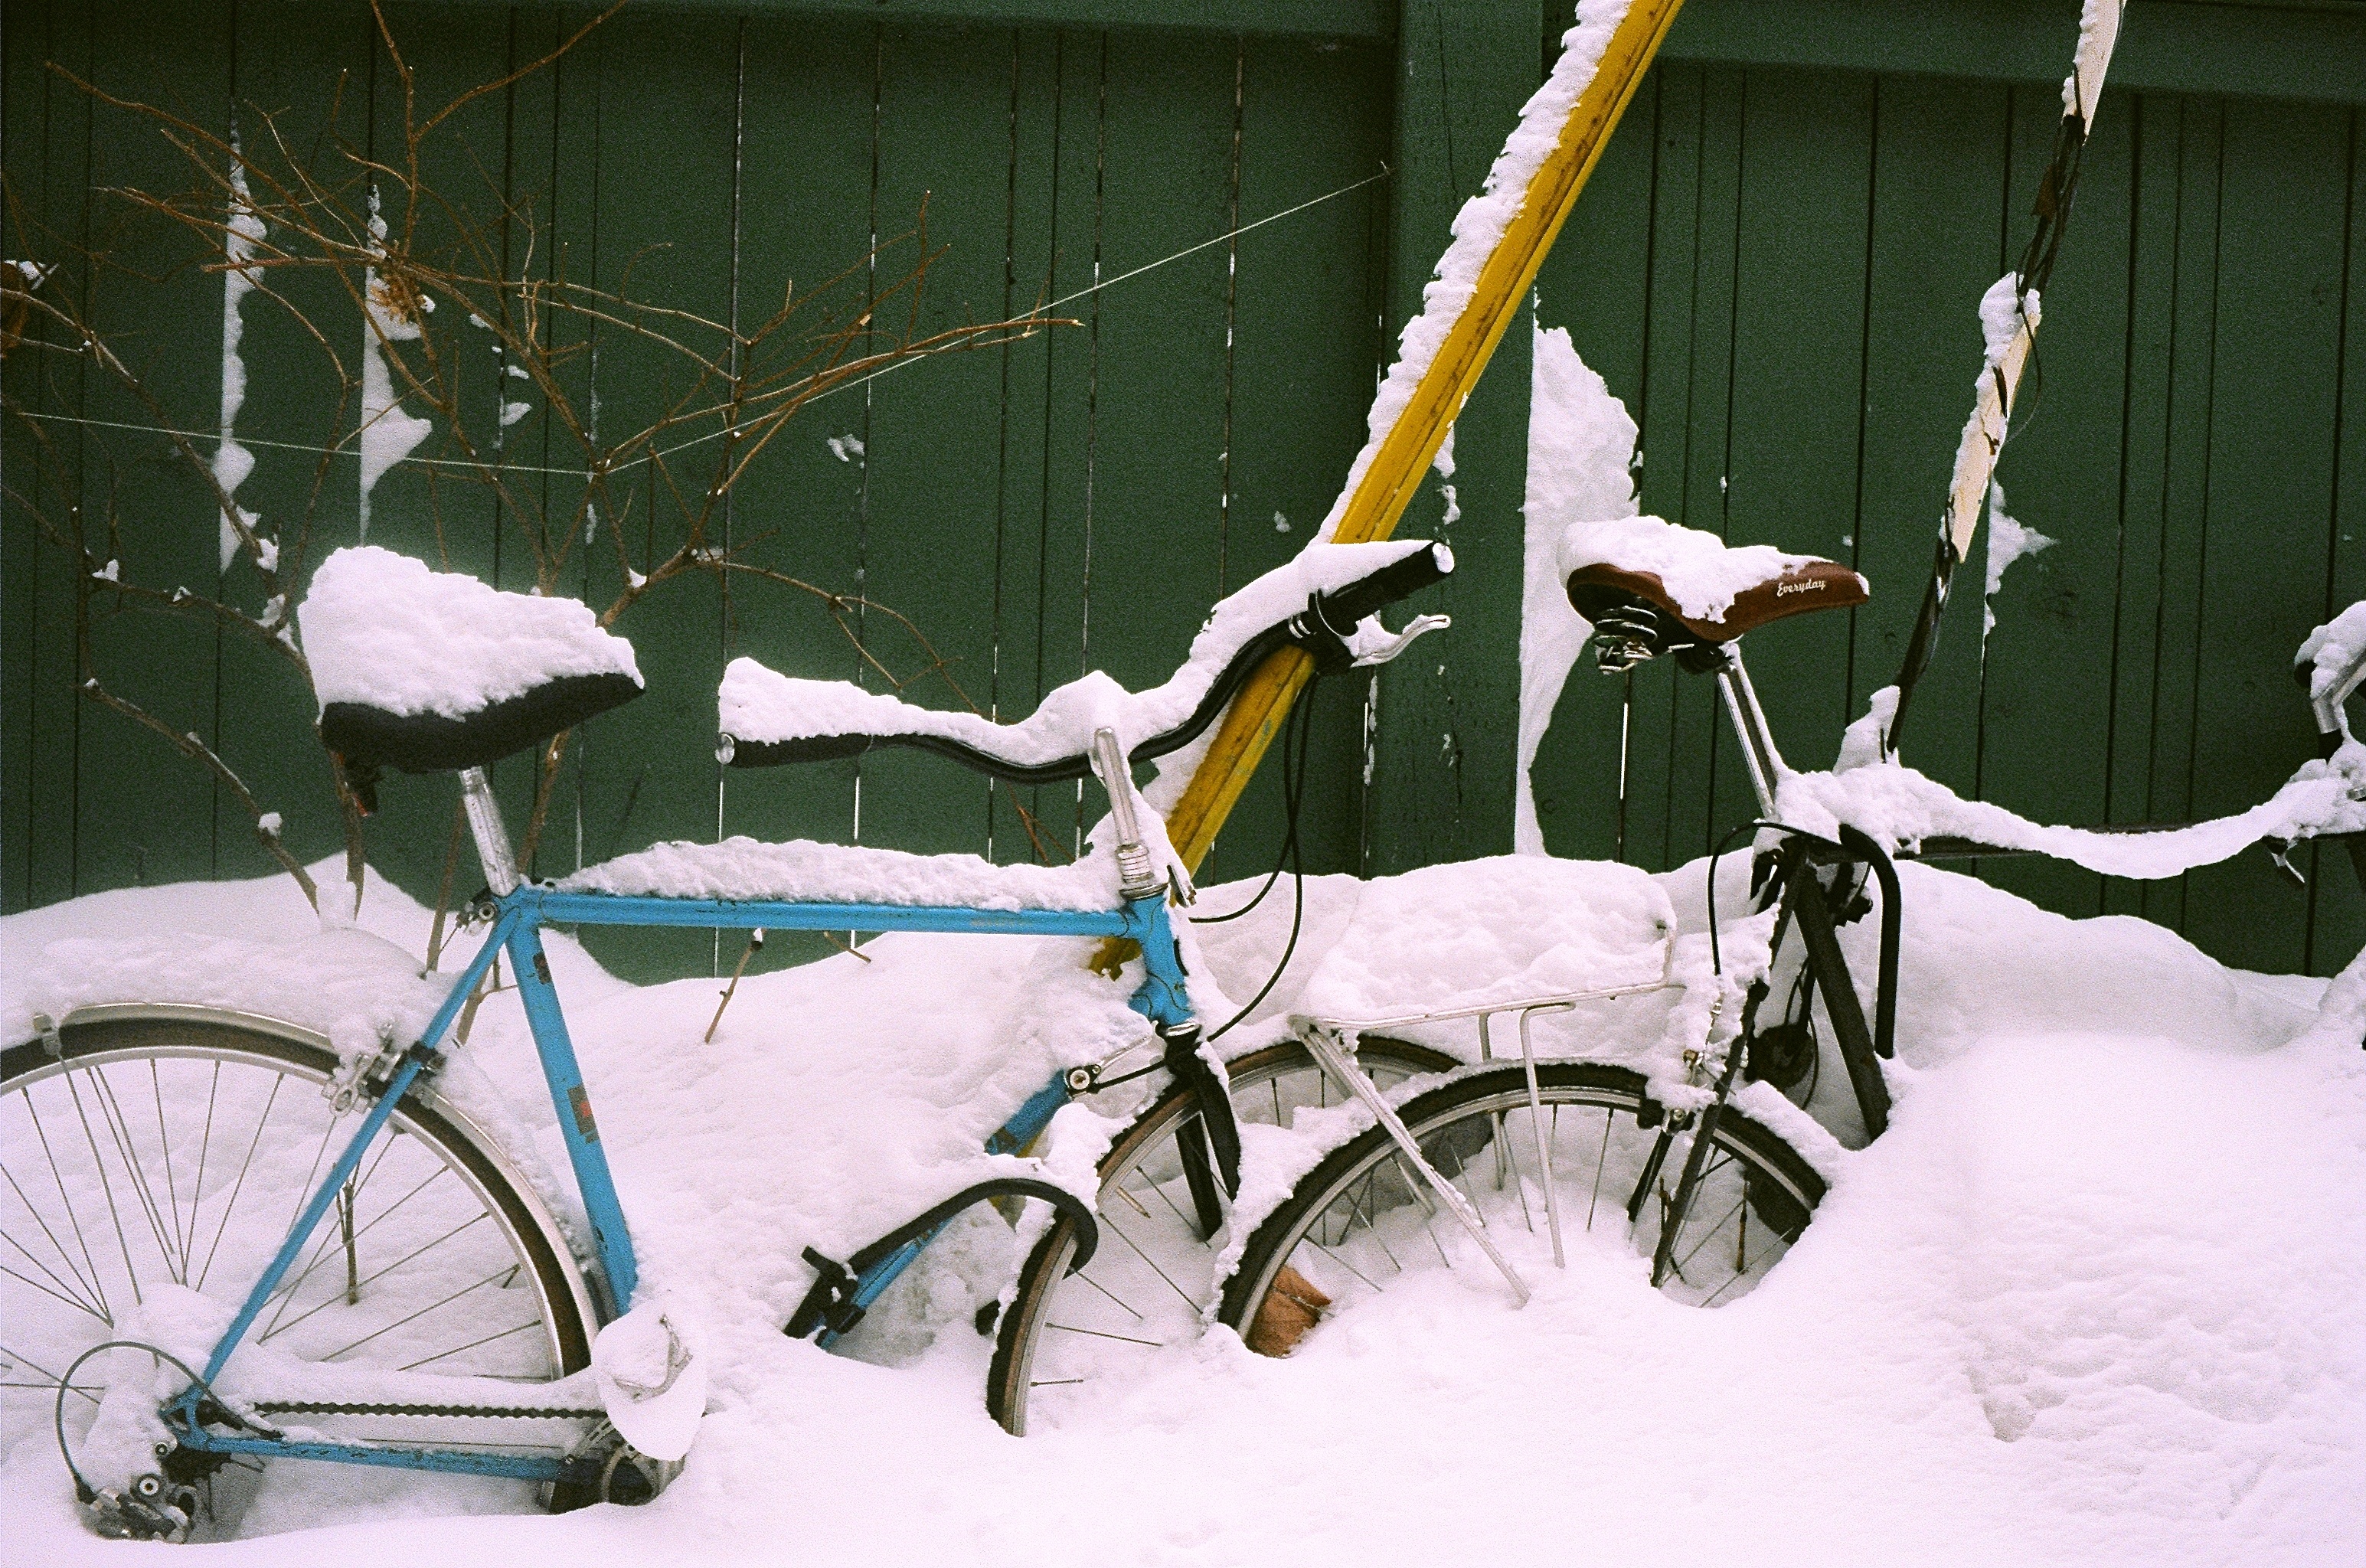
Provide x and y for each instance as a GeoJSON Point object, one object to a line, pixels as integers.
{"type": "Point", "coordinates": [1639, 603]}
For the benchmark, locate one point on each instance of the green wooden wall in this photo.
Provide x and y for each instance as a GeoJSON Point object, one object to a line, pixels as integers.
{"type": "Point", "coordinates": [1776, 267]}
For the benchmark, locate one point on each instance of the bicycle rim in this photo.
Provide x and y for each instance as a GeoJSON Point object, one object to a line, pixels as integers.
{"type": "Point", "coordinates": [1066, 1335]}
{"type": "Point", "coordinates": [162, 1159]}
{"type": "Point", "coordinates": [1362, 1222]}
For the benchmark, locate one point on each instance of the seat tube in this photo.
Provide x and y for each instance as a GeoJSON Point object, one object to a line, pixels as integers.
{"type": "Point", "coordinates": [492, 836]}
{"type": "Point", "coordinates": [610, 1240]}
{"type": "Point", "coordinates": [1166, 997]}
{"type": "Point", "coordinates": [1758, 752]}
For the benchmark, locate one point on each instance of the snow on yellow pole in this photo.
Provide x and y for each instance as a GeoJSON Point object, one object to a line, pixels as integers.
{"type": "Point", "coordinates": [2009, 316]}
{"type": "Point", "coordinates": [1500, 240]}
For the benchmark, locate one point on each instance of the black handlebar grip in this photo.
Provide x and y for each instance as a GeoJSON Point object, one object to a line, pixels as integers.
{"type": "Point", "coordinates": [1396, 581]}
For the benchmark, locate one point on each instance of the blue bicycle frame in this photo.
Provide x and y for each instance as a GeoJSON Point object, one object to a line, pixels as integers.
{"type": "Point", "coordinates": [518, 918]}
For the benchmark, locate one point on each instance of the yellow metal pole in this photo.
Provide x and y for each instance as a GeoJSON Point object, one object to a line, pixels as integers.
{"type": "Point", "coordinates": [1406, 453]}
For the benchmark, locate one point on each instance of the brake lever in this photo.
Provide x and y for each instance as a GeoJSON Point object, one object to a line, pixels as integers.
{"type": "Point", "coordinates": [1419, 626]}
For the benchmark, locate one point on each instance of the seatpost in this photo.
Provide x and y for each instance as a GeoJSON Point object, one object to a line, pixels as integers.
{"type": "Point", "coordinates": [2332, 718]}
{"type": "Point", "coordinates": [492, 835]}
{"type": "Point", "coordinates": [1135, 878]}
{"type": "Point", "coordinates": [1766, 765]}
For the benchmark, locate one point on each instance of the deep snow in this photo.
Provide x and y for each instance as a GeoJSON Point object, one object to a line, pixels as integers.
{"type": "Point", "coordinates": [2095, 1298]}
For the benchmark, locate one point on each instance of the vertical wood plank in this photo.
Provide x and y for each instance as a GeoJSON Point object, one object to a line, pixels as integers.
{"type": "Point", "coordinates": [1797, 389]}
{"type": "Point", "coordinates": [1664, 415]}
{"type": "Point", "coordinates": [1313, 119]}
{"type": "Point", "coordinates": [144, 814]}
{"type": "Point", "coordinates": [2271, 453]}
{"type": "Point", "coordinates": [1071, 497]}
{"type": "Point", "coordinates": [2146, 404]}
{"type": "Point", "coordinates": [944, 108]}
{"type": "Point", "coordinates": [47, 135]}
{"type": "Point", "coordinates": [2185, 505]}
{"type": "Point", "coordinates": [805, 217]}
{"type": "Point", "coordinates": [1939, 179]}
{"type": "Point", "coordinates": [666, 138]}
{"type": "Point", "coordinates": [1444, 791]}
{"type": "Point", "coordinates": [1023, 422]}
{"type": "Point", "coordinates": [2336, 904]}
{"type": "Point", "coordinates": [1695, 731]}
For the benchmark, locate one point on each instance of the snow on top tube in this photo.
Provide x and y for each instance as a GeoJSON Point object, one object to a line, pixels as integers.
{"type": "Point", "coordinates": [385, 630]}
{"type": "Point", "coordinates": [744, 869]}
{"type": "Point", "coordinates": [761, 705]}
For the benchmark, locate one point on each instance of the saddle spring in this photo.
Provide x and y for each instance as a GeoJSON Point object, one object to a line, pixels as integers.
{"type": "Point", "coordinates": [1627, 635]}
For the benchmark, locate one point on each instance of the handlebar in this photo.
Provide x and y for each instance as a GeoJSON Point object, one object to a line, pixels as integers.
{"type": "Point", "coordinates": [1341, 611]}
{"type": "Point", "coordinates": [1321, 628]}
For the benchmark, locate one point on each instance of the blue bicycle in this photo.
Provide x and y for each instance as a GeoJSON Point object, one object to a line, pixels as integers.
{"type": "Point", "coordinates": [326, 1258]}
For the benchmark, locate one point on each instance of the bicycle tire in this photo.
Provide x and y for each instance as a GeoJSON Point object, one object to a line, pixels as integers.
{"type": "Point", "coordinates": [1326, 1247]}
{"type": "Point", "coordinates": [174, 1145]}
{"type": "Point", "coordinates": [1269, 1085]}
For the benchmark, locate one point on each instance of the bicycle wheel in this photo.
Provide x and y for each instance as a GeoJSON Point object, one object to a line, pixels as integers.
{"type": "Point", "coordinates": [165, 1153]}
{"type": "Point", "coordinates": [1363, 1221]}
{"type": "Point", "coordinates": [1152, 1273]}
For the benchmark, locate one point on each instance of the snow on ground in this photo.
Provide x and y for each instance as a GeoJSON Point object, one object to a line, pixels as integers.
{"type": "Point", "coordinates": [2096, 1297]}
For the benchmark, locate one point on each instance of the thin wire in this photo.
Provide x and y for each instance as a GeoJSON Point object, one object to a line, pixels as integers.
{"type": "Point", "coordinates": [1293, 788]}
{"type": "Point", "coordinates": [346, 448]}
{"type": "Point", "coordinates": [84, 1490]}
{"type": "Point", "coordinates": [1715, 958]}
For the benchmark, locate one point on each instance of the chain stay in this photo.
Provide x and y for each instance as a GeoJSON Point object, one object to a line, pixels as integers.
{"type": "Point", "coordinates": [507, 1411]}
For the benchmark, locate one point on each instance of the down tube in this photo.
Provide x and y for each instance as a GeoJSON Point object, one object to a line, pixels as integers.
{"type": "Point", "coordinates": [569, 1098]}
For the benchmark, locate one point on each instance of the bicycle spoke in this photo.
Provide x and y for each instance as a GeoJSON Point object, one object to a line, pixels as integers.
{"type": "Point", "coordinates": [413, 1316]}
{"type": "Point", "coordinates": [332, 1298]}
{"type": "Point", "coordinates": [1121, 1303]}
{"type": "Point", "coordinates": [172, 1187]}
{"type": "Point", "coordinates": [240, 1185]}
{"type": "Point", "coordinates": [135, 1170]}
{"type": "Point", "coordinates": [1739, 1275]}
{"type": "Point", "coordinates": [1707, 1237]}
{"type": "Point", "coordinates": [70, 1301]}
{"type": "Point", "coordinates": [1343, 1263]}
{"type": "Point", "coordinates": [1104, 1334]}
{"type": "Point", "coordinates": [1601, 1160]}
{"type": "Point", "coordinates": [321, 1252]}
{"type": "Point", "coordinates": [304, 1188]}
{"type": "Point", "coordinates": [73, 1215]}
{"type": "Point", "coordinates": [205, 1148]}
{"type": "Point", "coordinates": [89, 1391]}
{"type": "Point", "coordinates": [1183, 1294]}
{"type": "Point", "coordinates": [457, 1350]}
{"type": "Point", "coordinates": [1176, 1209]}
{"type": "Point", "coordinates": [1349, 1213]}
{"type": "Point", "coordinates": [63, 1256]}
{"type": "Point", "coordinates": [106, 1186]}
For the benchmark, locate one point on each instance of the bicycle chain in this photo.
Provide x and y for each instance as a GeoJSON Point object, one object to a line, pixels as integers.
{"type": "Point", "coordinates": [528, 1413]}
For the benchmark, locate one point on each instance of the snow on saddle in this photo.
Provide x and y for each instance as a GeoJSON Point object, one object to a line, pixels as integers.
{"type": "Point", "coordinates": [1319, 601]}
{"type": "Point", "coordinates": [431, 671]}
{"type": "Point", "coordinates": [1684, 586]}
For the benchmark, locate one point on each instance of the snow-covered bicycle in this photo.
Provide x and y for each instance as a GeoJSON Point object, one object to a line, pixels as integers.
{"type": "Point", "coordinates": [227, 1242]}
{"type": "Point", "coordinates": [1715, 1196]}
